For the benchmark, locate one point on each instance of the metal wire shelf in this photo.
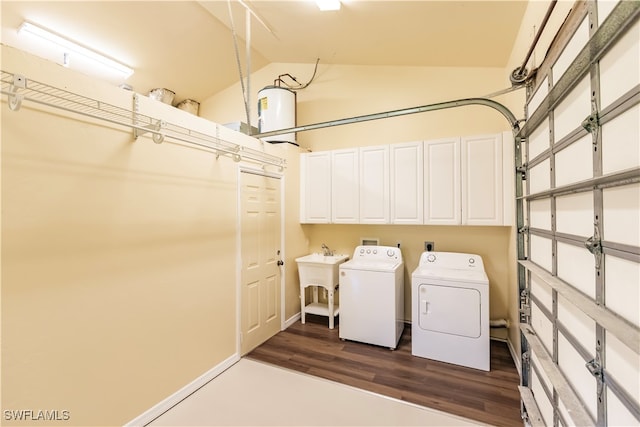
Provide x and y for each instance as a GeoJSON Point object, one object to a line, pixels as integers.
{"type": "Point", "coordinates": [18, 89]}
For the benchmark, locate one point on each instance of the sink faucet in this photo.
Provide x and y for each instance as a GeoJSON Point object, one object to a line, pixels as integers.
{"type": "Point", "coordinates": [326, 251]}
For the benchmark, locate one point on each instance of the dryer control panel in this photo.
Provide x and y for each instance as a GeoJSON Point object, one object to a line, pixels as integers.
{"type": "Point", "coordinates": [452, 260]}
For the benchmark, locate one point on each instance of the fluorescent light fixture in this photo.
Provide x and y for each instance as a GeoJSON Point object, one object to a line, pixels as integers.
{"type": "Point", "coordinates": [71, 48]}
{"type": "Point", "coordinates": [328, 4]}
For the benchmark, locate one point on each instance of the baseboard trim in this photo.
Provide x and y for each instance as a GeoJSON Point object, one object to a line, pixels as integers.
{"type": "Point", "coordinates": [160, 408]}
{"type": "Point", "coordinates": [290, 321]}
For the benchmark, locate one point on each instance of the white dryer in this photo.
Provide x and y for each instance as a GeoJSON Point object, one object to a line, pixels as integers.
{"type": "Point", "coordinates": [372, 296]}
{"type": "Point", "coordinates": [450, 309]}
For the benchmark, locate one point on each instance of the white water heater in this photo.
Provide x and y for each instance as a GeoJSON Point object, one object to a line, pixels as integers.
{"type": "Point", "coordinates": [277, 110]}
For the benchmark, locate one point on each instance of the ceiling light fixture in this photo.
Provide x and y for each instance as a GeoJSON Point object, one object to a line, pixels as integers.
{"type": "Point", "coordinates": [70, 49]}
{"type": "Point", "coordinates": [328, 4]}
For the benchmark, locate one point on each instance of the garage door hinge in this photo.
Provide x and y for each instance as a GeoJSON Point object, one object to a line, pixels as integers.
{"type": "Point", "coordinates": [595, 368]}
{"type": "Point", "coordinates": [524, 229]}
{"type": "Point", "coordinates": [522, 170]}
{"type": "Point", "coordinates": [594, 245]}
{"type": "Point", "coordinates": [591, 125]}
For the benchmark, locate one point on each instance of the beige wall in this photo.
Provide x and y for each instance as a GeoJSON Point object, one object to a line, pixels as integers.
{"type": "Point", "coordinates": [118, 278]}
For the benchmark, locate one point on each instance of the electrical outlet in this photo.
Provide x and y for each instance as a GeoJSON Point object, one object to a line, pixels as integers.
{"type": "Point", "coordinates": [429, 246]}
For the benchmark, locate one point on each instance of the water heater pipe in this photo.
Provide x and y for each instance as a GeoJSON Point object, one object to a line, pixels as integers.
{"type": "Point", "coordinates": [513, 122]}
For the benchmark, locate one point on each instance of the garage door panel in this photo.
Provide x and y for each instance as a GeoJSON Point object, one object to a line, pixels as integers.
{"type": "Point", "coordinates": [572, 110]}
{"type": "Point", "coordinates": [575, 162]}
{"type": "Point", "coordinates": [604, 9]}
{"type": "Point", "coordinates": [542, 376]}
{"type": "Point", "coordinates": [538, 96]}
{"type": "Point", "coordinates": [621, 142]}
{"type": "Point", "coordinates": [576, 267]}
{"type": "Point", "coordinates": [544, 404]}
{"type": "Point", "coordinates": [571, 50]}
{"type": "Point", "coordinates": [541, 252]}
{"type": "Point", "coordinates": [539, 177]}
{"type": "Point", "coordinates": [542, 293]}
{"type": "Point", "coordinates": [539, 140]}
{"type": "Point", "coordinates": [623, 365]}
{"type": "Point", "coordinates": [574, 214]}
{"type": "Point", "coordinates": [540, 214]}
{"type": "Point", "coordinates": [542, 326]}
{"type": "Point", "coordinates": [618, 414]}
{"type": "Point", "coordinates": [620, 67]}
{"type": "Point", "coordinates": [622, 291]}
{"type": "Point", "coordinates": [573, 368]}
{"type": "Point", "coordinates": [578, 324]}
{"type": "Point", "coordinates": [620, 214]}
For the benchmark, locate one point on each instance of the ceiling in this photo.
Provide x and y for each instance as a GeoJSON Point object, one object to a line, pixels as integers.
{"type": "Point", "coordinates": [188, 46]}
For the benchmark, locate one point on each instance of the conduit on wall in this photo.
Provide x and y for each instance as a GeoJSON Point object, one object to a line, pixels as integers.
{"type": "Point", "coordinates": [18, 89]}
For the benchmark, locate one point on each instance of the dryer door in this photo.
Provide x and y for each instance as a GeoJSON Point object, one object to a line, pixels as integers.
{"type": "Point", "coordinates": [449, 310]}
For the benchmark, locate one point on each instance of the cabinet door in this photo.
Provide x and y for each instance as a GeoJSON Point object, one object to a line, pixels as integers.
{"type": "Point", "coordinates": [374, 185]}
{"type": "Point", "coordinates": [344, 186]}
{"type": "Point", "coordinates": [406, 183]}
{"type": "Point", "coordinates": [482, 180]}
{"type": "Point", "coordinates": [315, 187]}
{"type": "Point", "coordinates": [442, 199]}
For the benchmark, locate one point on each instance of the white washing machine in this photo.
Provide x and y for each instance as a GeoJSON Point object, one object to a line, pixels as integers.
{"type": "Point", "coordinates": [372, 296]}
{"type": "Point", "coordinates": [450, 309]}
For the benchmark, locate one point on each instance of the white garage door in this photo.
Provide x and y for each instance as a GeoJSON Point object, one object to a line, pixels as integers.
{"type": "Point", "coordinates": [579, 224]}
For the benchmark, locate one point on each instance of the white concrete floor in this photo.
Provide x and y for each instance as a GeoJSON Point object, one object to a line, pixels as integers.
{"type": "Point", "coordinates": [252, 393]}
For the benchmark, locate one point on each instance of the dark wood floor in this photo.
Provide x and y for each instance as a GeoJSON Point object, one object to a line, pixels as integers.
{"type": "Point", "coordinates": [488, 397]}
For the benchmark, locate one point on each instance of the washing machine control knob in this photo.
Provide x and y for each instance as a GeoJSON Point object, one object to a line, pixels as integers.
{"type": "Point", "coordinates": [390, 252]}
{"type": "Point", "coordinates": [431, 257]}
{"type": "Point", "coordinates": [361, 251]}
{"type": "Point", "coordinates": [368, 251]}
{"type": "Point", "coordinates": [375, 251]}
{"type": "Point", "coordinates": [471, 260]}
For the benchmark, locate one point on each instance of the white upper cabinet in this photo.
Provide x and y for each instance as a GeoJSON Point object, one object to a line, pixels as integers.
{"type": "Point", "coordinates": [344, 186]}
{"type": "Point", "coordinates": [407, 183]}
{"type": "Point", "coordinates": [315, 187]}
{"type": "Point", "coordinates": [374, 185]}
{"type": "Point", "coordinates": [482, 182]}
{"type": "Point", "coordinates": [442, 183]}
{"type": "Point", "coordinates": [451, 181]}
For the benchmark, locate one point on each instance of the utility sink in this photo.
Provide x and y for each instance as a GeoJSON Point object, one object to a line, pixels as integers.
{"type": "Point", "coordinates": [320, 270]}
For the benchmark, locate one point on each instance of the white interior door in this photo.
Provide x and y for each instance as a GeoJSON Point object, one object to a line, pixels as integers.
{"type": "Point", "coordinates": [260, 255]}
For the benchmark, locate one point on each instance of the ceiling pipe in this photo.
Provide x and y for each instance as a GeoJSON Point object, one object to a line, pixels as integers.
{"type": "Point", "coordinates": [513, 122]}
